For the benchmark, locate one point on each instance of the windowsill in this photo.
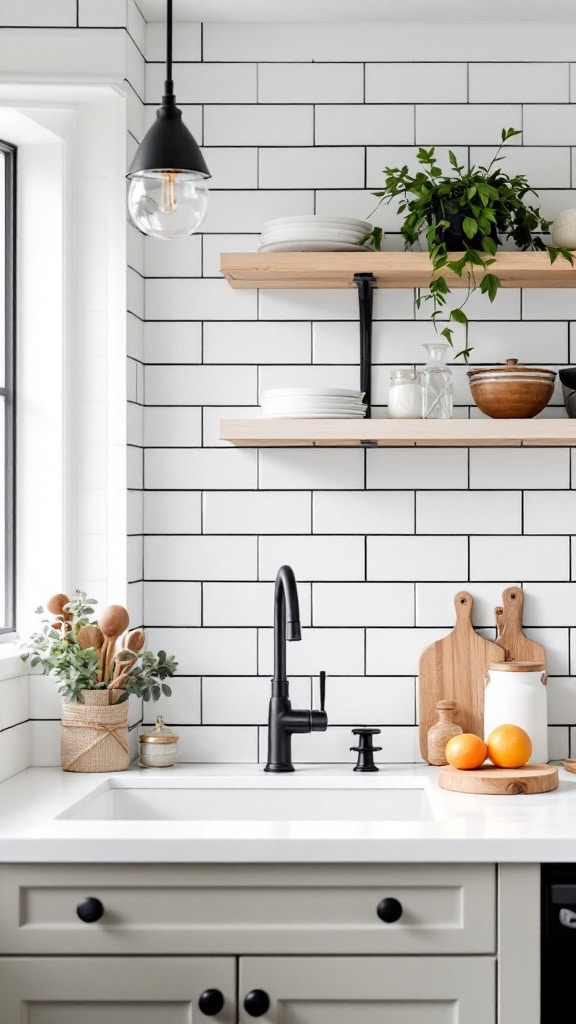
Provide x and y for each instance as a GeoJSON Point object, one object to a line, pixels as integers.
{"type": "Point", "coordinates": [11, 663]}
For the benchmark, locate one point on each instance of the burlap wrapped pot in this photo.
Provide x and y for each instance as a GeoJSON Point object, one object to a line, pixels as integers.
{"type": "Point", "coordinates": [95, 733]}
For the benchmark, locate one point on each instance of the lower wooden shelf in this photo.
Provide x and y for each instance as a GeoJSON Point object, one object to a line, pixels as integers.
{"type": "Point", "coordinates": [262, 432]}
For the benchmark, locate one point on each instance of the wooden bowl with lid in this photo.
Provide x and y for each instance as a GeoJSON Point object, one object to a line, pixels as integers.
{"type": "Point", "coordinates": [511, 391]}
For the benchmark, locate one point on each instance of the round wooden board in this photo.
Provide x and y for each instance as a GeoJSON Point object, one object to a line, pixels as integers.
{"type": "Point", "coordinates": [492, 781]}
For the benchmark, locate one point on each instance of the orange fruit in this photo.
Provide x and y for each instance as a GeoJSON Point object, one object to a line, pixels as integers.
{"type": "Point", "coordinates": [509, 746]}
{"type": "Point", "coordinates": [466, 751]}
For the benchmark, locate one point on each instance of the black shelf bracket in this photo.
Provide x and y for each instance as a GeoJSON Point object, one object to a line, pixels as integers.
{"type": "Point", "coordinates": [365, 284]}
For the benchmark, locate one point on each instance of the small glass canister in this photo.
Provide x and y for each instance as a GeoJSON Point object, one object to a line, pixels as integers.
{"type": "Point", "coordinates": [158, 748]}
{"type": "Point", "coordinates": [405, 395]}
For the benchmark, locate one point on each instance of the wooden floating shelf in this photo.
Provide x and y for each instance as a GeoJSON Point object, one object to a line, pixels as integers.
{"type": "Point", "coordinates": [390, 270]}
{"type": "Point", "coordinates": [262, 432]}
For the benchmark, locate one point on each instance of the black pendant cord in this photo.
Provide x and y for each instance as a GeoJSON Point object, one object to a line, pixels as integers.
{"type": "Point", "coordinates": [168, 84]}
{"type": "Point", "coordinates": [365, 284]}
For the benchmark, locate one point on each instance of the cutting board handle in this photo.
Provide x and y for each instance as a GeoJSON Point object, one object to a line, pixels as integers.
{"type": "Point", "coordinates": [513, 601]}
{"type": "Point", "coordinates": [463, 606]}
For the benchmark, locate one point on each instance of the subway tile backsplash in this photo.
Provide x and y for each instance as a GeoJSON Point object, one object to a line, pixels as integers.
{"type": "Point", "coordinates": [302, 119]}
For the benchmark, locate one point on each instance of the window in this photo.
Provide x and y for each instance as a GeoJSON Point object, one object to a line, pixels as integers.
{"type": "Point", "coordinates": [7, 373]}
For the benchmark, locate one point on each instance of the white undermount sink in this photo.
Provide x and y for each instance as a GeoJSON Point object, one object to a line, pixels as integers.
{"type": "Point", "coordinates": [113, 801]}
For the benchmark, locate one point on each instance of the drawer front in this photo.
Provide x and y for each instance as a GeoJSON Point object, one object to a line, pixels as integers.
{"type": "Point", "coordinates": [248, 909]}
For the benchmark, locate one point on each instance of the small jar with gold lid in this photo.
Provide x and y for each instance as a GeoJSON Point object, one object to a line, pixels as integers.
{"type": "Point", "coordinates": [158, 749]}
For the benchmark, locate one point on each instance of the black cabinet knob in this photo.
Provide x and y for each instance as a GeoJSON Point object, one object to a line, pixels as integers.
{"type": "Point", "coordinates": [90, 909]}
{"type": "Point", "coordinates": [257, 1002]}
{"type": "Point", "coordinates": [211, 1001]}
{"type": "Point", "coordinates": [389, 910]}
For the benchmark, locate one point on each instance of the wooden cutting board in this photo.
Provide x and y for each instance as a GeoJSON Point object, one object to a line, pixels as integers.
{"type": "Point", "coordinates": [453, 669]}
{"type": "Point", "coordinates": [492, 781]}
{"type": "Point", "coordinates": [513, 641]}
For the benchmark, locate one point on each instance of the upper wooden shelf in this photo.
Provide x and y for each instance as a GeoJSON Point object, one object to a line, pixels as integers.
{"type": "Point", "coordinates": [390, 270]}
{"type": "Point", "coordinates": [391, 433]}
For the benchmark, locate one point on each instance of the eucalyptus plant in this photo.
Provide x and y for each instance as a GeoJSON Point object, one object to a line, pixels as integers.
{"type": "Point", "coordinates": [472, 209]}
{"type": "Point", "coordinates": [56, 650]}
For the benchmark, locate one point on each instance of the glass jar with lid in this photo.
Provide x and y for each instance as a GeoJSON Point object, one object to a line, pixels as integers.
{"type": "Point", "coordinates": [158, 748]}
{"type": "Point", "coordinates": [405, 395]}
{"type": "Point", "coordinates": [437, 383]}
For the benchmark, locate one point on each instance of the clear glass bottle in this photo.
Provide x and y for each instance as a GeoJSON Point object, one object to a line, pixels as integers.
{"type": "Point", "coordinates": [437, 383]}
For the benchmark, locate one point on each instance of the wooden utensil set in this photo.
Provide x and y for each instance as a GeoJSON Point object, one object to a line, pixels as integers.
{"type": "Point", "coordinates": [112, 623]}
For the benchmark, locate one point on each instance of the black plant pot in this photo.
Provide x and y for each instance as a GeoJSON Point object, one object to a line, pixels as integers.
{"type": "Point", "coordinates": [453, 236]}
{"type": "Point", "coordinates": [568, 382]}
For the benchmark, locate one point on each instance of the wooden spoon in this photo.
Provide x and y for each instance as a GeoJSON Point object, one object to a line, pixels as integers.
{"type": "Point", "coordinates": [134, 640]}
{"type": "Point", "coordinates": [123, 661]}
{"type": "Point", "coordinates": [55, 605]}
{"type": "Point", "coordinates": [90, 636]}
{"type": "Point", "coordinates": [112, 621]}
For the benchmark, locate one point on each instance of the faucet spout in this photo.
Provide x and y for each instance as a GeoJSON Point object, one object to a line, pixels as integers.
{"type": "Point", "coordinates": [283, 720]}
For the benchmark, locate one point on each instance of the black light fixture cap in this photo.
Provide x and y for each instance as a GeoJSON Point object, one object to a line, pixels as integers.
{"type": "Point", "coordinates": [169, 146]}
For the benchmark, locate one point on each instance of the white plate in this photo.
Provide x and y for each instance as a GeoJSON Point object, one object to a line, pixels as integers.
{"type": "Point", "coordinates": [314, 232]}
{"type": "Point", "coordinates": [311, 416]}
{"type": "Point", "coordinates": [320, 246]}
{"type": "Point", "coordinates": [309, 219]}
{"type": "Point", "coordinates": [316, 392]}
{"type": "Point", "coordinates": [295, 406]}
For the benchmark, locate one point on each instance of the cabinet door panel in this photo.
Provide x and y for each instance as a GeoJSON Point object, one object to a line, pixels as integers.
{"type": "Point", "coordinates": [103, 990]}
{"type": "Point", "coordinates": [371, 990]}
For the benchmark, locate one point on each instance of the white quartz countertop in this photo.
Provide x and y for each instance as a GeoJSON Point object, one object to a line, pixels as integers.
{"type": "Point", "coordinates": [456, 827]}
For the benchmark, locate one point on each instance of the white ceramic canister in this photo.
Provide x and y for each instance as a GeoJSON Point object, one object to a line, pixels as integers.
{"type": "Point", "coordinates": [515, 694]}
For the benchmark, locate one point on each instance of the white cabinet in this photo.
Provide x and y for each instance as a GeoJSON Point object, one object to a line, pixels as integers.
{"type": "Point", "coordinates": [307, 936]}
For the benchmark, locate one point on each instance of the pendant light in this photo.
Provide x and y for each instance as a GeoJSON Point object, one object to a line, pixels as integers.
{"type": "Point", "coordinates": [168, 194]}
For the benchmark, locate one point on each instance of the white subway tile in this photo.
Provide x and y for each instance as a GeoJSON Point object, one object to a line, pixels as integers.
{"type": "Point", "coordinates": [358, 202]}
{"type": "Point", "coordinates": [467, 512]}
{"type": "Point", "coordinates": [312, 558]}
{"type": "Point", "coordinates": [134, 467]}
{"type": "Point", "coordinates": [311, 83]}
{"type": "Point", "coordinates": [166, 426]}
{"type": "Point", "coordinates": [379, 157]}
{"type": "Point", "coordinates": [93, 563]}
{"type": "Point", "coordinates": [136, 25]}
{"type": "Point", "coordinates": [397, 651]}
{"type": "Point", "coordinates": [240, 701]}
{"type": "Point", "coordinates": [550, 604]}
{"type": "Point", "coordinates": [257, 342]}
{"type": "Point", "coordinates": [527, 342]}
{"type": "Point", "coordinates": [14, 705]}
{"type": "Point", "coordinates": [232, 166]}
{"type": "Point", "coordinates": [200, 385]}
{"type": "Point", "coordinates": [172, 342]}
{"type": "Point", "coordinates": [247, 604]}
{"type": "Point", "coordinates": [257, 512]}
{"type": "Point", "coordinates": [204, 83]}
{"type": "Point", "coordinates": [553, 200]}
{"type": "Point", "coordinates": [417, 558]}
{"type": "Point", "coordinates": [523, 558]}
{"type": "Point", "coordinates": [97, 13]}
{"type": "Point", "coordinates": [363, 512]}
{"type": "Point", "coordinates": [526, 82]}
{"type": "Point", "coordinates": [336, 343]}
{"type": "Point", "coordinates": [363, 604]}
{"type": "Point", "coordinates": [212, 416]}
{"type": "Point", "coordinates": [354, 700]}
{"type": "Point", "coordinates": [308, 304]}
{"type": "Point", "coordinates": [44, 741]}
{"type": "Point", "coordinates": [134, 514]}
{"type": "Point", "coordinates": [172, 512]}
{"type": "Point", "coordinates": [60, 13]}
{"type": "Point", "coordinates": [561, 700]}
{"type": "Point", "coordinates": [200, 558]}
{"type": "Point", "coordinates": [323, 167]}
{"type": "Point", "coordinates": [549, 304]}
{"type": "Point", "coordinates": [543, 166]}
{"type": "Point", "coordinates": [506, 306]}
{"type": "Point", "coordinates": [202, 652]}
{"type": "Point", "coordinates": [190, 299]}
{"type": "Point", "coordinates": [546, 513]}
{"type": "Point", "coordinates": [414, 82]}
{"type": "Point", "coordinates": [435, 604]}
{"type": "Point", "coordinates": [45, 701]}
{"type": "Point", "coordinates": [187, 42]}
{"type": "Point", "coordinates": [15, 750]}
{"type": "Point", "coordinates": [556, 643]}
{"type": "Point", "coordinates": [214, 245]}
{"type": "Point", "coordinates": [558, 743]}
{"type": "Point", "coordinates": [335, 651]}
{"type": "Point", "coordinates": [519, 468]}
{"type": "Point", "coordinates": [311, 469]}
{"type": "Point", "coordinates": [417, 468]}
{"type": "Point", "coordinates": [172, 604]}
{"type": "Point", "coordinates": [198, 469]}
{"type": "Point", "coordinates": [183, 707]}
{"type": "Point", "coordinates": [257, 125]}
{"type": "Point", "coordinates": [364, 124]}
{"type": "Point", "coordinates": [466, 124]}
{"type": "Point", "coordinates": [307, 376]}
{"type": "Point", "coordinates": [211, 744]}
{"type": "Point", "coordinates": [546, 124]}
{"type": "Point", "coordinates": [182, 258]}
{"type": "Point", "coordinates": [247, 211]}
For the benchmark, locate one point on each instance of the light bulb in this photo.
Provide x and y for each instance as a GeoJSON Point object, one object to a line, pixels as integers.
{"type": "Point", "coordinates": [167, 204]}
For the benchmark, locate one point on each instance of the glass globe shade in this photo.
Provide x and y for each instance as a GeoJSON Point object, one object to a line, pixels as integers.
{"type": "Point", "coordinates": [167, 204]}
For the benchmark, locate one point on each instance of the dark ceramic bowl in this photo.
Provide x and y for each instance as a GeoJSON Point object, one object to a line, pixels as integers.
{"type": "Point", "coordinates": [568, 382]}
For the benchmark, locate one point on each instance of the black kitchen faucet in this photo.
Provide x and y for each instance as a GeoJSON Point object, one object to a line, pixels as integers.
{"type": "Point", "coordinates": [283, 720]}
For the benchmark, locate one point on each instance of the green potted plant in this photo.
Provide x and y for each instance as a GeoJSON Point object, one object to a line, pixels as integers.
{"type": "Point", "coordinates": [95, 677]}
{"type": "Point", "coordinates": [467, 212]}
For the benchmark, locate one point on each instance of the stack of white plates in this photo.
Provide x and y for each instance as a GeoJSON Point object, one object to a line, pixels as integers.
{"type": "Point", "coordinates": [311, 233]}
{"type": "Point", "coordinates": [313, 403]}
